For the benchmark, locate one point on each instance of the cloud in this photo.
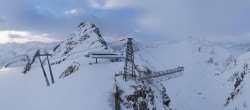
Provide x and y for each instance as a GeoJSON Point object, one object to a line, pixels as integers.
{"type": "Point", "coordinates": [242, 38]}
{"type": "Point", "coordinates": [22, 37]}
{"type": "Point", "coordinates": [42, 16]}
{"type": "Point", "coordinates": [13, 36]}
{"type": "Point", "coordinates": [2, 19]}
{"type": "Point", "coordinates": [150, 20]}
{"type": "Point", "coordinates": [111, 4]}
{"type": "Point", "coordinates": [179, 19]}
{"type": "Point", "coordinates": [95, 4]}
{"type": "Point", "coordinates": [74, 12]}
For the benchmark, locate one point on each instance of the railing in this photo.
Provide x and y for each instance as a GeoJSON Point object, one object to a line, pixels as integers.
{"type": "Point", "coordinates": [163, 75]}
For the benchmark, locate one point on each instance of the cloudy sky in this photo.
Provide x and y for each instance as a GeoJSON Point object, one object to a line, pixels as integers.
{"type": "Point", "coordinates": [153, 20]}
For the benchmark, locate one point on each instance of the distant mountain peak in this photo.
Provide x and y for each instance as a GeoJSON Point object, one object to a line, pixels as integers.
{"type": "Point", "coordinates": [83, 24]}
{"type": "Point", "coordinates": [86, 36]}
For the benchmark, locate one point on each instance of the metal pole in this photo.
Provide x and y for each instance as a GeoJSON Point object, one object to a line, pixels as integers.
{"type": "Point", "coordinates": [44, 73]}
{"type": "Point", "coordinates": [51, 74]}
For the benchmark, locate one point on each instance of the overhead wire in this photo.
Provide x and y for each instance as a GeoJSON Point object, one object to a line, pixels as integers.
{"type": "Point", "coordinates": [138, 44]}
{"type": "Point", "coordinates": [69, 54]}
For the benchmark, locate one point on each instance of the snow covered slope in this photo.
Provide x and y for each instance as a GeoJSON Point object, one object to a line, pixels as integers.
{"type": "Point", "coordinates": [19, 53]}
{"type": "Point", "coordinates": [213, 77]}
{"type": "Point", "coordinates": [201, 85]}
{"type": "Point", "coordinates": [82, 90]}
{"type": "Point", "coordinates": [237, 83]}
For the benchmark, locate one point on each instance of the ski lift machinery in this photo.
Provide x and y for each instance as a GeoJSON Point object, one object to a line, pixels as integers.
{"type": "Point", "coordinates": [130, 67]}
{"type": "Point", "coordinates": [153, 77]}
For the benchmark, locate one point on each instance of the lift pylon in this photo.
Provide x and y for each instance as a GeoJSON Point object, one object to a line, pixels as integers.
{"type": "Point", "coordinates": [149, 76]}
{"type": "Point", "coordinates": [129, 69]}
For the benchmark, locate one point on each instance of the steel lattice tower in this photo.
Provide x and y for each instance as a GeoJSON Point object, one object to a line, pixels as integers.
{"type": "Point", "coordinates": [129, 61]}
